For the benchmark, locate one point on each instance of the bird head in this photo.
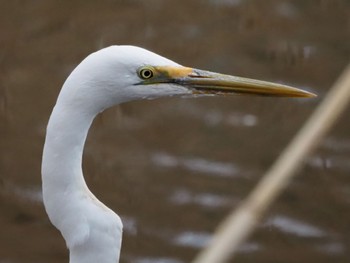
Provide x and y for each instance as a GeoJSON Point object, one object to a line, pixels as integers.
{"type": "Point", "coordinates": [123, 73]}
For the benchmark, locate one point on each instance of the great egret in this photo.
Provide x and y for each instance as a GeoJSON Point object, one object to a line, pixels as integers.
{"type": "Point", "coordinates": [111, 76]}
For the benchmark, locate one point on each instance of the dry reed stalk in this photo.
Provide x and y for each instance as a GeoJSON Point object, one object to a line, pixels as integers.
{"type": "Point", "coordinates": [234, 230]}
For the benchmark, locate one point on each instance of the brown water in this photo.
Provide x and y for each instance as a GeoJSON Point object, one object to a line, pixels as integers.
{"type": "Point", "coordinates": [173, 168]}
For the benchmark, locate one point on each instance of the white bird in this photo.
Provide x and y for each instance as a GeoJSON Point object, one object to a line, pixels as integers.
{"type": "Point", "coordinates": [108, 77]}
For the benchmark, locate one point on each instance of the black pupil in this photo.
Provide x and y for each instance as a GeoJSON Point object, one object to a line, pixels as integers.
{"type": "Point", "coordinates": [147, 73]}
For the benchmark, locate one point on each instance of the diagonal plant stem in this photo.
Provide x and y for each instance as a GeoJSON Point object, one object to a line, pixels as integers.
{"type": "Point", "coordinates": [235, 229]}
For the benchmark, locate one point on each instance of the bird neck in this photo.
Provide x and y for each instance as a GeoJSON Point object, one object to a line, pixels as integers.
{"type": "Point", "coordinates": [63, 150]}
{"type": "Point", "coordinates": [92, 231]}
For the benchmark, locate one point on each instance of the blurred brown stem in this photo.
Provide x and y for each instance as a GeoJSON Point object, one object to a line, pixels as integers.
{"type": "Point", "coordinates": [234, 230]}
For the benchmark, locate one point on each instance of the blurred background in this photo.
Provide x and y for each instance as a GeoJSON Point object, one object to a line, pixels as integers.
{"type": "Point", "coordinates": [173, 168]}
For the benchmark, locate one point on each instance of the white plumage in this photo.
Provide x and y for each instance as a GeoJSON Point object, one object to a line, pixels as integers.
{"type": "Point", "coordinates": [111, 76]}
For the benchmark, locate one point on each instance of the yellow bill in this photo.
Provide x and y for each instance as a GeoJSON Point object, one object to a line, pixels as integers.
{"type": "Point", "coordinates": [206, 82]}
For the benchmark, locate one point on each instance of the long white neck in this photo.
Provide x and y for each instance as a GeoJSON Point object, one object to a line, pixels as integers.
{"type": "Point", "coordinates": [92, 231]}
{"type": "Point", "coordinates": [62, 158]}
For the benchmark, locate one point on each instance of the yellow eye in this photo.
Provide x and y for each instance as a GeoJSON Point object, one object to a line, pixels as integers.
{"type": "Point", "coordinates": [145, 72]}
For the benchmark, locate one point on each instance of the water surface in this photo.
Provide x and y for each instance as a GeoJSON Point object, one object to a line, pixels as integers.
{"type": "Point", "coordinates": [173, 168]}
